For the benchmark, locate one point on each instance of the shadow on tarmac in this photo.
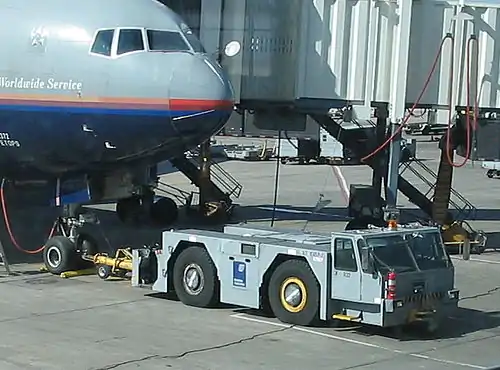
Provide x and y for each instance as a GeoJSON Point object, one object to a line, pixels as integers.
{"type": "Point", "coordinates": [463, 322]}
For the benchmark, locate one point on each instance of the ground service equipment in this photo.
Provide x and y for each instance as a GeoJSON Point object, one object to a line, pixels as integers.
{"type": "Point", "coordinates": [387, 277]}
{"type": "Point", "coordinates": [119, 265]}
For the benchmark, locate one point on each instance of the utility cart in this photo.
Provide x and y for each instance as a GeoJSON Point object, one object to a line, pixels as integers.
{"type": "Point", "coordinates": [493, 168]}
{"type": "Point", "coordinates": [387, 277]}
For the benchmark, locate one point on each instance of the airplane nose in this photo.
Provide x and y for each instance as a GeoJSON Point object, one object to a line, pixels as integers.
{"type": "Point", "coordinates": [225, 90]}
{"type": "Point", "coordinates": [200, 94]}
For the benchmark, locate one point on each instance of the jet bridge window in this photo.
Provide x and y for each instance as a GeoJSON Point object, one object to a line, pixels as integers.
{"type": "Point", "coordinates": [130, 40]}
{"type": "Point", "coordinates": [102, 42]}
{"type": "Point", "coordinates": [344, 257]}
{"type": "Point", "coordinates": [166, 41]}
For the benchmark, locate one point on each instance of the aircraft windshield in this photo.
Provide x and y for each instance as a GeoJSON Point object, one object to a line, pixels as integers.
{"type": "Point", "coordinates": [166, 41]}
{"type": "Point", "coordinates": [406, 252]}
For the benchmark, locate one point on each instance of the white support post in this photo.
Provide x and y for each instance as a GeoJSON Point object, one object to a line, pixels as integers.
{"type": "Point", "coordinates": [372, 27]}
{"type": "Point", "coordinates": [210, 25]}
{"type": "Point", "coordinates": [397, 102]}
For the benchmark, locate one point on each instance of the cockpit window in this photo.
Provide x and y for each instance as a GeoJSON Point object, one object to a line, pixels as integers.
{"type": "Point", "coordinates": [130, 40]}
{"type": "Point", "coordinates": [166, 41]}
{"type": "Point", "coordinates": [102, 42]}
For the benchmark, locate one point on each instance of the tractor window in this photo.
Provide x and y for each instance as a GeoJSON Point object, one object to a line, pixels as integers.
{"type": "Point", "coordinates": [428, 250]}
{"type": "Point", "coordinates": [344, 258]}
{"type": "Point", "coordinates": [166, 41]}
{"type": "Point", "coordinates": [364, 256]}
{"type": "Point", "coordinates": [130, 40]}
{"type": "Point", "coordinates": [391, 252]}
{"type": "Point", "coordinates": [102, 42]}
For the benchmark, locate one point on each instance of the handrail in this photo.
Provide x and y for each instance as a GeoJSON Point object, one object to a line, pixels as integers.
{"type": "Point", "coordinates": [466, 210]}
{"type": "Point", "coordinates": [224, 183]}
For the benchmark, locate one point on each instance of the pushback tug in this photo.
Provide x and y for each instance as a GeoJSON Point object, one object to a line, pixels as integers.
{"type": "Point", "coordinates": [384, 276]}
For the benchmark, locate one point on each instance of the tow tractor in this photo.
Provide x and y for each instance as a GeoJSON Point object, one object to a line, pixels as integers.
{"type": "Point", "coordinates": [387, 276]}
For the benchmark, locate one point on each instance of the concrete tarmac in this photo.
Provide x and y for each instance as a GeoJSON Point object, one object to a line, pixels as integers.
{"type": "Point", "coordinates": [85, 323]}
{"type": "Point", "coordinates": [50, 323]}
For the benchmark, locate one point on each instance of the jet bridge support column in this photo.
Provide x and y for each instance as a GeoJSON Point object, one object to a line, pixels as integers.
{"type": "Point", "coordinates": [381, 113]}
{"type": "Point", "coordinates": [398, 94]}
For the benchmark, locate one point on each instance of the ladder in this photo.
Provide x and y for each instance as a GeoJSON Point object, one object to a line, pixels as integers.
{"type": "Point", "coordinates": [223, 185]}
{"type": "Point", "coordinates": [439, 190]}
{"type": "Point", "coordinates": [3, 260]}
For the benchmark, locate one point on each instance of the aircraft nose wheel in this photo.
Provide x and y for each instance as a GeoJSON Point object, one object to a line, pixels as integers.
{"type": "Point", "coordinates": [59, 255]}
{"type": "Point", "coordinates": [54, 257]}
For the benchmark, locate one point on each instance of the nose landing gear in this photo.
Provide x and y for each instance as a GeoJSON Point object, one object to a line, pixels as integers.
{"type": "Point", "coordinates": [68, 250]}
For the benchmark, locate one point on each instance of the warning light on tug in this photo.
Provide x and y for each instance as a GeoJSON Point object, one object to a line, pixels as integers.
{"type": "Point", "coordinates": [392, 224]}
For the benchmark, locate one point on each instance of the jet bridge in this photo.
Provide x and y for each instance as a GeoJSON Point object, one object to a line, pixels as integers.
{"type": "Point", "coordinates": [360, 55]}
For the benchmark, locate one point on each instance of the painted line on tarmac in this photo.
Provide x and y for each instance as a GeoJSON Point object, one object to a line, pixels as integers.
{"type": "Point", "coordinates": [242, 316]}
{"type": "Point", "coordinates": [476, 260]}
{"type": "Point", "coordinates": [337, 172]}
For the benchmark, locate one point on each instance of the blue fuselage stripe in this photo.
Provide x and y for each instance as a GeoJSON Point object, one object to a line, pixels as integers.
{"type": "Point", "coordinates": [92, 110]}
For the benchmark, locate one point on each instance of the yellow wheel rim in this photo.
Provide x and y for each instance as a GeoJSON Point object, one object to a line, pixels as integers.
{"type": "Point", "coordinates": [293, 294]}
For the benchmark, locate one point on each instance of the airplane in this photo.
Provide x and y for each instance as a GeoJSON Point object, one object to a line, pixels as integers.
{"type": "Point", "coordinates": [93, 95]}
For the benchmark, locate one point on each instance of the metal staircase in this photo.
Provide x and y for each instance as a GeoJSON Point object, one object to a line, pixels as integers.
{"type": "Point", "coordinates": [439, 191]}
{"type": "Point", "coordinates": [360, 139]}
{"type": "Point", "coordinates": [222, 186]}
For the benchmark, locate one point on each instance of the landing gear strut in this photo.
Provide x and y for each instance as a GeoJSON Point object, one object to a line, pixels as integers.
{"type": "Point", "coordinates": [138, 209]}
{"type": "Point", "coordinates": [68, 250]}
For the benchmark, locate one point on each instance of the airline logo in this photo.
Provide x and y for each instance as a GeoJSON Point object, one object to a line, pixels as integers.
{"type": "Point", "coordinates": [21, 83]}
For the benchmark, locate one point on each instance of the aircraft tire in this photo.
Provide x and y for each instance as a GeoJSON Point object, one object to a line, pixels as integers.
{"type": "Point", "coordinates": [298, 276]}
{"type": "Point", "coordinates": [195, 278]}
{"type": "Point", "coordinates": [164, 212]}
{"type": "Point", "coordinates": [59, 255]}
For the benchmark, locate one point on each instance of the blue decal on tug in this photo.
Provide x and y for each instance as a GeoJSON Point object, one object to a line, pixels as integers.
{"type": "Point", "coordinates": [239, 274]}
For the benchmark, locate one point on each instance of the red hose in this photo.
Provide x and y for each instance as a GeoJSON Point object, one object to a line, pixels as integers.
{"type": "Point", "coordinates": [417, 102]}
{"type": "Point", "coordinates": [9, 230]}
{"type": "Point", "coordinates": [468, 124]}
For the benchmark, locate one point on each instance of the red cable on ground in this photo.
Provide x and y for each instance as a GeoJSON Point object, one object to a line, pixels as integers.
{"type": "Point", "coordinates": [9, 230]}
{"type": "Point", "coordinates": [468, 125]}
{"type": "Point", "coordinates": [417, 102]}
